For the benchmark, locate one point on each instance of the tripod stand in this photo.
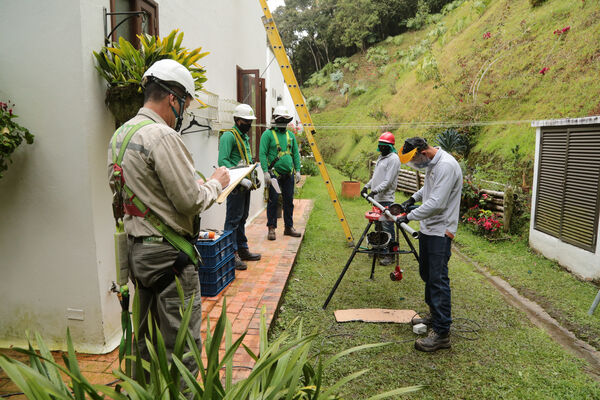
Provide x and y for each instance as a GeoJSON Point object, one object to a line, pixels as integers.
{"type": "Point", "coordinates": [379, 214]}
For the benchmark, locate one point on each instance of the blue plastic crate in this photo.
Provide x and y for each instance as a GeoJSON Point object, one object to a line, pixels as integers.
{"type": "Point", "coordinates": [214, 280]}
{"type": "Point", "coordinates": [213, 274]}
{"type": "Point", "coordinates": [215, 251]}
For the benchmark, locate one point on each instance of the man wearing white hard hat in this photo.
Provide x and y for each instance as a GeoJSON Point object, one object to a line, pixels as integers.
{"type": "Point", "coordinates": [234, 151]}
{"type": "Point", "coordinates": [159, 199]}
{"type": "Point", "coordinates": [280, 162]}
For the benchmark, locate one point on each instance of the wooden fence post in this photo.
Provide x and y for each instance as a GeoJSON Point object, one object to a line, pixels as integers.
{"type": "Point", "coordinates": [509, 206]}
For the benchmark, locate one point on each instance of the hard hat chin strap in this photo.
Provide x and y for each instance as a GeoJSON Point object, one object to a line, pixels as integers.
{"type": "Point", "coordinates": [178, 115]}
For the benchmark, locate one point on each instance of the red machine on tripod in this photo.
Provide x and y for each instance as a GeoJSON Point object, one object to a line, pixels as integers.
{"type": "Point", "coordinates": [379, 241]}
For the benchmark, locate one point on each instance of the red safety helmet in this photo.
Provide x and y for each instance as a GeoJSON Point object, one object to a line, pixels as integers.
{"type": "Point", "coordinates": [387, 137]}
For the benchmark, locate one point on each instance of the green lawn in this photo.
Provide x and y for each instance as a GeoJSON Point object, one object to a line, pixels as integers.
{"type": "Point", "coordinates": [508, 358]}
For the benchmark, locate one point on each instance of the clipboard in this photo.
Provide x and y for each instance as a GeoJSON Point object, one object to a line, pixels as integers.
{"type": "Point", "coordinates": [235, 177]}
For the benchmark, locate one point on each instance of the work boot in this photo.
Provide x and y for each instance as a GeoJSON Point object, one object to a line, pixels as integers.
{"type": "Point", "coordinates": [271, 234]}
{"type": "Point", "coordinates": [386, 260]}
{"type": "Point", "coordinates": [290, 231]}
{"type": "Point", "coordinates": [247, 256]}
{"type": "Point", "coordinates": [422, 320]}
{"type": "Point", "coordinates": [433, 342]}
{"type": "Point", "coordinates": [239, 264]}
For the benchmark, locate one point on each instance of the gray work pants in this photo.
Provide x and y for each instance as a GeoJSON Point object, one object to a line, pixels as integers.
{"type": "Point", "coordinates": [147, 262]}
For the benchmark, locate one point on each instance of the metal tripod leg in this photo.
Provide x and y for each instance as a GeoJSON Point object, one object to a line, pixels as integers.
{"type": "Point", "coordinates": [375, 256]}
{"type": "Point", "coordinates": [354, 251]}
{"type": "Point", "coordinates": [412, 248]}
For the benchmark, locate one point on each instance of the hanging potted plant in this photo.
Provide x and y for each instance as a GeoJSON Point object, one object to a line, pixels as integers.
{"type": "Point", "coordinates": [122, 66]}
{"type": "Point", "coordinates": [11, 135]}
{"type": "Point", "coordinates": [351, 187]}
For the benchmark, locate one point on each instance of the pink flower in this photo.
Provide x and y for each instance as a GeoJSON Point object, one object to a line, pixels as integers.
{"type": "Point", "coordinates": [487, 35]}
{"type": "Point", "coordinates": [485, 196]}
{"type": "Point", "coordinates": [544, 70]}
{"type": "Point", "coordinates": [566, 29]}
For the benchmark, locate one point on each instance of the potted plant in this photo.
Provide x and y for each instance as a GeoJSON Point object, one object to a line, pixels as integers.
{"type": "Point", "coordinates": [351, 187]}
{"type": "Point", "coordinates": [11, 135]}
{"type": "Point", "coordinates": [122, 66]}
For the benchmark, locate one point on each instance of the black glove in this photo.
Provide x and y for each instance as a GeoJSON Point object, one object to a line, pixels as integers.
{"type": "Point", "coordinates": [365, 190]}
{"type": "Point", "coordinates": [407, 204]}
{"type": "Point", "coordinates": [402, 219]}
{"type": "Point", "coordinates": [373, 193]}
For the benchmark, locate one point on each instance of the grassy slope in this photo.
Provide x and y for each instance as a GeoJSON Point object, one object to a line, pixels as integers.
{"type": "Point", "coordinates": [511, 358]}
{"type": "Point", "coordinates": [513, 89]}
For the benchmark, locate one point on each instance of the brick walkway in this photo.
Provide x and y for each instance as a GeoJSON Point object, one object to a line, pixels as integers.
{"type": "Point", "coordinates": [262, 284]}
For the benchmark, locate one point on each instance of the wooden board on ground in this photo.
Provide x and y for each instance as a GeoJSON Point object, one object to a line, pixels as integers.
{"type": "Point", "coordinates": [375, 315]}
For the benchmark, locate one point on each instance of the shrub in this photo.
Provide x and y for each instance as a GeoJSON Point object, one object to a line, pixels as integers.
{"type": "Point", "coordinates": [378, 56]}
{"type": "Point", "coordinates": [315, 102]}
{"type": "Point", "coordinates": [345, 89]}
{"type": "Point", "coordinates": [358, 90]}
{"type": "Point", "coordinates": [336, 76]}
{"type": "Point", "coordinates": [535, 3]}
{"type": "Point", "coordinates": [484, 222]}
{"type": "Point", "coordinates": [350, 168]}
{"type": "Point", "coordinates": [453, 142]}
{"type": "Point", "coordinates": [420, 18]}
{"type": "Point", "coordinates": [309, 167]}
{"type": "Point", "coordinates": [11, 135]}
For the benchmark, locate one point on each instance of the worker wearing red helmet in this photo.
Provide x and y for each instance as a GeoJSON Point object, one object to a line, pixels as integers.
{"type": "Point", "coordinates": [384, 181]}
{"type": "Point", "coordinates": [438, 216]}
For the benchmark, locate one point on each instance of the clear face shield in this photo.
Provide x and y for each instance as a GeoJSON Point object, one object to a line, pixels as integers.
{"type": "Point", "coordinates": [419, 161]}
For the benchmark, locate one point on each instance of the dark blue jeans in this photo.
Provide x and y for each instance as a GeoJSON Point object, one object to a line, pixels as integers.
{"type": "Point", "coordinates": [286, 184]}
{"type": "Point", "coordinates": [434, 253]}
{"type": "Point", "coordinates": [388, 226]}
{"type": "Point", "coordinates": [238, 206]}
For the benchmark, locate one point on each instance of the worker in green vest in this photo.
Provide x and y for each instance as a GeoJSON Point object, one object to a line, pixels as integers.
{"type": "Point", "coordinates": [159, 199]}
{"type": "Point", "coordinates": [280, 162]}
{"type": "Point", "coordinates": [235, 150]}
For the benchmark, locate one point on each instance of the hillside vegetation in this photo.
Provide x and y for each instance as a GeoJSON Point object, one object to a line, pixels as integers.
{"type": "Point", "coordinates": [472, 67]}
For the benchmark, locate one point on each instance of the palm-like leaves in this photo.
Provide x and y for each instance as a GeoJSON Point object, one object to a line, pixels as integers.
{"type": "Point", "coordinates": [123, 64]}
{"type": "Point", "coordinates": [283, 370]}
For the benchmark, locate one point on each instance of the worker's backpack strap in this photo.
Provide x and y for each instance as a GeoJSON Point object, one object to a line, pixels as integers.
{"type": "Point", "coordinates": [288, 144]}
{"type": "Point", "coordinates": [136, 207]}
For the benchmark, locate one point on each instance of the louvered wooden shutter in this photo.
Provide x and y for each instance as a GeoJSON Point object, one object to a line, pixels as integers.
{"type": "Point", "coordinates": [568, 179]}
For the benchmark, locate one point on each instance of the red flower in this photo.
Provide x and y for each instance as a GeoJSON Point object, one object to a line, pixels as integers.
{"type": "Point", "coordinates": [544, 70]}
{"type": "Point", "coordinates": [487, 35]}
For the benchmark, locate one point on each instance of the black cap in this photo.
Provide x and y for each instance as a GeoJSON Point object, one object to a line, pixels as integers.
{"type": "Point", "coordinates": [415, 142]}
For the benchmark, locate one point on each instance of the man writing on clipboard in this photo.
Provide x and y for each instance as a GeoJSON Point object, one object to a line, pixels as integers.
{"type": "Point", "coordinates": [234, 151]}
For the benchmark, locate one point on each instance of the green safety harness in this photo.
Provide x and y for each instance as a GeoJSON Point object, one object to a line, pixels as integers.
{"type": "Point", "coordinates": [246, 157]}
{"type": "Point", "coordinates": [280, 152]}
{"type": "Point", "coordinates": [134, 206]}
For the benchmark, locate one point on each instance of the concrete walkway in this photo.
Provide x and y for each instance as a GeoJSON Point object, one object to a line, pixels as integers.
{"type": "Point", "coordinates": [262, 284]}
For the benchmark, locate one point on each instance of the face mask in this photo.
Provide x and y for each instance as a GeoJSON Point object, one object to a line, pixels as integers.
{"type": "Point", "coordinates": [384, 149]}
{"type": "Point", "coordinates": [244, 128]}
{"type": "Point", "coordinates": [419, 161]}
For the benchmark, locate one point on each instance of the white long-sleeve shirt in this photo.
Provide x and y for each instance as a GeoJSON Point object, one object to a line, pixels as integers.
{"type": "Point", "coordinates": [440, 196]}
{"type": "Point", "coordinates": [385, 177]}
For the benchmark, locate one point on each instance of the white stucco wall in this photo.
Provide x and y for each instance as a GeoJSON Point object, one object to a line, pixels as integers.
{"type": "Point", "coordinates": [583, 263]}
{"type": "Point", "coordinates": [55, 238]}
{"type": "Point", "coordinates": [56, 244]}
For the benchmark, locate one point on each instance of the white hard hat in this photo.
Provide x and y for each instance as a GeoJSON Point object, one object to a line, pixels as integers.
{"type": "Point", "coordinates": [282, 111]}
{"type": "Point", "coordinates": [243, 111]}
{"type": "Point", "coordinates": [168, 70]}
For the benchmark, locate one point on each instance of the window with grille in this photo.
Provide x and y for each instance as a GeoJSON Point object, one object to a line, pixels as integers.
{"type": "Point", "coordinates": [567, 189]}
{"type": "Point", "coordinates": [129, 27]}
